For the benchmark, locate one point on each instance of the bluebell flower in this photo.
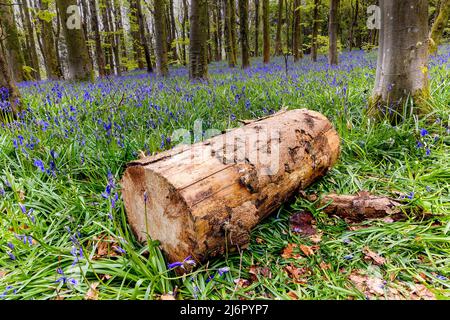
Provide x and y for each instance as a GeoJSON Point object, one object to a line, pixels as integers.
{"type": "Point", "coordinates": [441, 277]}
{"type": "Point", "coordinates": [423, 132]}
{"type": "Point", "coordinates": [10, 245]}
{"type": "Point", "coordinates": [223, 270]}
{"type": "Point", "coordinates": [39, 164]}
{"type": "Point", "coordinates": [11, 256]}
{"type": "Point", "coordinates": [410, 195]}
{"type": "Point", "coordinates": [348, 257]}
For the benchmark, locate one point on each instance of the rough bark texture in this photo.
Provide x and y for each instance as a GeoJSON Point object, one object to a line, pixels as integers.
{"type": "Point", "coordinates": [278, 47]}
{"type": "Point", "coordinates": [162, 68]}
{"type": "Point", "coordinates": [266, 32]}
{"type": "Point", "coordinates": [12, 43]}
{"type": "Point", "coordinates": [135, 34]}
{"type": "Point", "coordinates": [11, 94]}
{"type": "Point", "coordinates": [402, 66]}
{"type": "Point", "coordinates": [120, 30]}
{"type": "Point", "coordinates": [333, 24]}
{"type": "Point", "coordinates": [204, 199]}
{"type": "Point", "coordinates": [315, 31]}
{"type": "Point", "coordinates": [52, 66]}
{"type": "Point", "coordinates": [198, 51]}
{"type": "Point", "coordinates": [173, 31]}
{"type": "Point", "coordinates": [363, 206]}
{"type": "Point", "coordinates": [233, 29]}
{"type": "Point", "coordinates": [297, 46]}
{"type": "Point", "coordinates": [228, 34]}
{"type": "Point", "coordinates": [256, 28]}
{"type": "Point", "coordinates": [439, 24]}
{"type": "Point", "coordinates": [353, 26]}
{"type": "Point", "coordinates": [243, 25]}
{"type": "Point", "coordinates": [99, 54]}
{"type": "Point", "coordinates": [80, 66]}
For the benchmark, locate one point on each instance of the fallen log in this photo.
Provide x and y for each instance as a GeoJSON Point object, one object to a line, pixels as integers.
{"type": "Point", "coordinates": [363, 206]}
{"type": "Point", "coordinates": [203, 199]}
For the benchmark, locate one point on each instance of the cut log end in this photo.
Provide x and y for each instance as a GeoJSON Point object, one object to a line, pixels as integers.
{"type": "Point", "coordinates": [203, 199]}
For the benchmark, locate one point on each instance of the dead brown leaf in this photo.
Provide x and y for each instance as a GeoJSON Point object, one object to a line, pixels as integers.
{"type": "Point", "coordinates": [255, 271]}
{"type": "Point", "coordinates": [370, 255]}
{"type": "Point", "coordinates": [259, 240]}
{"type": "Point", "coordinates": [105, 247]}
{"type": "Point", "coordinates": [369, 285]}
{"type": "Point", "coordinates": [288, 252]}
{"type": "Point", "coordinates": [242, 283]}
{"type": "Point", "coordinates": [421, 292]}
{"type": "Point", "coordinates": [167, 296]}
{"type": "Point", "coordinates": [292, 295]}
{"type": "Point", "coordinates": [325, 266]}
{"type": "Point", "coordinates": [301, 222]}
{"type": "Point", "coordinates": [3, 274]}
{"type": "Point", "coordinates": [92, 293]}
{"type": "Point", "coordinates": [316, 238]}
{"type": "Point", "coordinates": [307, 250]}
{"type": "Point", "coordinates": [297, 273]}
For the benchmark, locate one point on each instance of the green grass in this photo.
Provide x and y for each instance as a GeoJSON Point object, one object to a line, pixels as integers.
{"type": "Point", "coordinates": [376, 157]}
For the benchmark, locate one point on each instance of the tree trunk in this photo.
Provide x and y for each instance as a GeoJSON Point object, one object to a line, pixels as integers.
{"type": "Point", "coordinates": [144, 42]}
{"type": "Point", "coordinates": [114, 37]}
{"type": "Point", "coordinates": [16, 60]}
{"type": "Point", "coordinates": [288, 37]}
{"type": "Point", "coordinates": [173, 31]}
{"type": "Point", "coordinates": [315, 32]}
{"type": "Point", "coordinates": [266, 32]}
{"type": "Point", "coordinates": [99, 54]}
{"type": "Point", "coordinates": [49, 52]}
{"type": "Point", "coordinates": [353, 26]}
{"type": "Point", "coordinates": [243, 24]}
{"type": "Point", "coordinates": [233, 29]}
{"type": "Point", "coordinates": [256, 28]}
{"type": "Point", "coordinates": [402, 66]}
{"type": "Point", "coordinates": [135, 34]}
{"type": "Point", "coordinates": [106, 37]}
{"type": "Point", "coordinates": [160, 38]}
{"type": "Point", "coordinates": [204, 199]}
{"type": "Point", "coordinates": [217, 32]}
{"type": "Point", "coordinates": [297, 35]}
{"type": "Point", "coordinates": [333, 24]}
{"type": "Point", "coordinates": [80, 66]}
{"type": "Point", "coordinates": [185, 31]}
{"type": "Point", "coordinates": [198, 50]}
{"type": "Point", "coordinates": [228, 35]}
{"type": "Point", "coordinates": [120, 30]}
{"type": "Point", "coordinates": [9, 94]}
{"type": "Point", "coordinates": [278, 47]}
{"type": "Point", "coordinates": [30, 32]}
{"type": "Point", "coordinates": [439, 25]}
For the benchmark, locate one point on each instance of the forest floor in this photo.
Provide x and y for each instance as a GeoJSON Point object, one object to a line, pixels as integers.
{"type": "Point", "coordinates": [63, 231]}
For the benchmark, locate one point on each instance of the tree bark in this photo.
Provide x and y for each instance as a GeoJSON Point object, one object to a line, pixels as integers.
{"type": "Point", "coordinates": [233, 29]}
{"type": "Point", "coordinates": [16, 60]}
{"type": "Point", "coordinates": [353, 26]}
{"type": "Point", "coordinates": [198, 50]}
{"type": "Point", "coordinates": [120, 30]}
{"type": "Point", "coordinates": [185, 30]}
{"type": "Point", "coordinates": [266, 32]}
{"type": "Point", "coordinates": [135, 34]}
{"type": "Point", "coordinates": [80, 66]}
{"type": "Point", "coordinates": [257, 28]}
{"type": "Point", "coordinates": [33, 48]}
{"type": "Point", "coordinates": [228, 35]}
{"type": "Point", "coordinates": [160, 38]}
{"type": "Point", "coordinates": [8, 90]}
{"type": "Point", "coordinates": [173, 31]}
{"type": "Point", "coordinates": [297, 35]}
{"type": "Point", "coordinates": [333, 24]}
{"type": "Point", "coordinates": [243, 24]}
{"type": "Point", "coordinates": [315, 31]}
{"type": "Point", "coordinates": [99, 54]}
{"type": "Point", "coordinates": [278, 47]}
{"type": "Point", "coordinates": [144, 42]}
{"type": "Point", "coordinates": [402, 66]}
{"type": "Point", "coordinates": [439, 24]}
{"type": "Point", "coordinates": [204, 199]}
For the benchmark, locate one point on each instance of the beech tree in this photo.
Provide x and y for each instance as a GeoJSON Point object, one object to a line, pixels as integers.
{"type": "Point", "coordinates": [99, 54]}
{"type": "Point", "coordinates": [315, 30]}
{"type": "Point", "coordinates": [198, 51]}
{"type": "Point", "coordinates": [333, 24]}
{"type": "Point", "coordinates": [8, 90]}
{"type": "Point", "coordinates": [402, 66]}
{"type": "Point", "coordinates": [278, 47]}
{"type": "Point", "coordinates": [297, 44]}
{"type": "Point", "coordinates": [160, 38]}
{"type": "Point", "coordinates": [243, 24]}
{"type": "Point", "coordinates": [439, 24]}
{"type": "Point", "coordinates": [266, 32]}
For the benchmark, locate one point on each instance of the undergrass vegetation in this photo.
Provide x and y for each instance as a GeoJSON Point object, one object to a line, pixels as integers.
{"type": "Point", "coordinates": [63, 228]}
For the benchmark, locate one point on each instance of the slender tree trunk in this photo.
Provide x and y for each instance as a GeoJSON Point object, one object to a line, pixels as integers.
{"type": "Point", "coordinates": [257, 28]}
{"type": "Point", "coordinates": [228, 35]}
{"type": "Point", "coordinates": [80, 66]}
{"type": "Point", "coordinates": [52, 67]}
{"type": "Point", "coordinates": [120, 30]}
{"type": "Point", "coordinates": [402, 60]}
{"type": "Point", "coordinates": [353, 26]}
{"type": "Point", "coordinates": [160, 38]}
{"type": "Point", "coordinates": [217, 31]}
{"type": "Point", "coordinates": [243, 24]}
{"type": "Point", "coordinates": [266, 31]}
{"type": "Point", "coordinates": [107, 37]}
{"type": "Point", "coordinates": [278, 47]}
{"type": "Point", "coordinates": [233, 29]}
{"type": "Point", "coordinates": [30, 32]}
{"type": "Point", "coordinates": [198, 55]}
{"type": "Point", "coordinates": [185, 31]}
{"type": "Point", "coordinates": [439, 24]}
{"type": "Point", "coordinates": [297, 34]}
{"type": "Point", "coordinates": [135, 34]}
{"type": "Point", "coordinates": [287, 13]}
{"type": "Point", "coordinates": [99, 54]}
{"type": "Point", "coordinates": [173, 31]}
{"type": "Point", "coordinates": [144, 42]}
{"type": "Point", "coordinates": [315, 32]}
{"type": "Point", "coordinates": [11, 94]}
{"type": "Point", "coordinates": [16, 60]}
{"type": "Point", "coordinates": [332, 32]}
